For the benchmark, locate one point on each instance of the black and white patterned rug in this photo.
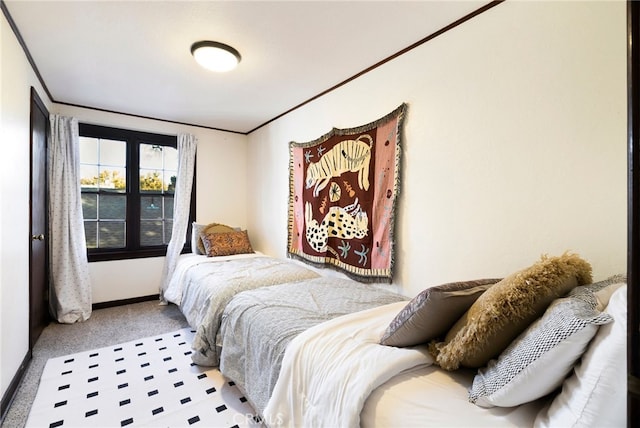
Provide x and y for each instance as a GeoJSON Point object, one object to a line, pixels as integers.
{"type": "Point", "coordinates": [145, 382]}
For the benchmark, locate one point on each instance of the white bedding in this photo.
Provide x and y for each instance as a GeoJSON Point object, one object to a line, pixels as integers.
{"type": "Point", "coordinates": [329, 370]}
{"type": "Point", "coordinates": [336, 374]}
{"type": "Point", "coordinates": [430, 396]}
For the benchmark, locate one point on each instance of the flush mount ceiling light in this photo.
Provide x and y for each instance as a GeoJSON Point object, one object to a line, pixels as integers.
{"type": "Point", "coordinates": [215, 56]}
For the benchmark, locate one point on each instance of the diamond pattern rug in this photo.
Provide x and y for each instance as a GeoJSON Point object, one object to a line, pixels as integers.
{"type": "Point", "coordinates": [145, 382]}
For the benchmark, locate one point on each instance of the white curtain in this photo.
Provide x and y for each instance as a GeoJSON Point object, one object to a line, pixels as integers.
{"type": "Point", "coordinates": [70, 288]}
{"type": "Point", "coordinates": [181, 204]}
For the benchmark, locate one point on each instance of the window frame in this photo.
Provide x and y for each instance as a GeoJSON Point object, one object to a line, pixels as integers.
{"type": "Point", "coordinates": [133, 139]}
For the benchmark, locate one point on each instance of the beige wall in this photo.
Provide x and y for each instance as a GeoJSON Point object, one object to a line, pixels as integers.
{"type": "Point", "coordinates": [515, 144]}
{"type": "Point", "coordinates": [220, 183]}
{"type": "Point", "coordinates": [16, 80]}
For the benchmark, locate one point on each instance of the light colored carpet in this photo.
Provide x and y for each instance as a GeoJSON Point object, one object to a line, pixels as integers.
{"type": "Point", "coordinates": [105, 327]}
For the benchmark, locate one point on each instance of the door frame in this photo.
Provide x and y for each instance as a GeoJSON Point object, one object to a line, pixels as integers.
{"type": "Point", "coordinates": [36, 102]}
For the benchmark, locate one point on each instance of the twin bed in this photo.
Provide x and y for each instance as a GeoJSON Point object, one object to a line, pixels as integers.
{"type": "Point", "coordinates": [202, 286]}
{"type": "Point", "coordinates": [306, 349]}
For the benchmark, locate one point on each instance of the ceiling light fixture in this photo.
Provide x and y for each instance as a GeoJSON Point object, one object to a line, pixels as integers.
{"type": "Point", "coordinates": [215, 56]}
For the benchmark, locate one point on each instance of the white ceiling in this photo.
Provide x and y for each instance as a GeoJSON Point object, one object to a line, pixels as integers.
{"type": "Point", "coordinates": [134, 56]}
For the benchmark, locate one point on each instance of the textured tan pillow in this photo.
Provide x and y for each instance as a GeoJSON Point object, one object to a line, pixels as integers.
{"type": "Point", "coordinates": [227, 244]}
{"type": "Point", "coordinates": [211, 228]}
{"type": "Point", "coordinates": [506, 309]}
{"type": "Point", "coordinates": [432, 312]}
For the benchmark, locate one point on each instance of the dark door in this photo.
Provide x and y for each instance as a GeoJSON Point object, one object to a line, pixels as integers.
{"type": "Point", "coordinates": [38, 256]}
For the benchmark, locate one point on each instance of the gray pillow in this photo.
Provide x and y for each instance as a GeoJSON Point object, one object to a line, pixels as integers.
{"type": "Point", "coordinates": [432, 312]}
{"type": "Point", "coordinates": [196, 231]}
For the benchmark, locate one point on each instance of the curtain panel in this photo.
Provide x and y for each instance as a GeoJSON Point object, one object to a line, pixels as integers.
{"type": "Point", "coordinates": [187, 144]}
{"type": "Point", "coordinates": [70, 284]}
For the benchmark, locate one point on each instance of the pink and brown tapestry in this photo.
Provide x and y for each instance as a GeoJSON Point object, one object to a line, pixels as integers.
{"type": "Point", "coordinates": [342, 195]}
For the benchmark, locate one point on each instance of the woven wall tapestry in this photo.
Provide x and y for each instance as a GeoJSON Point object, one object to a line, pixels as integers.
{"type": "Point", "coordinates": [342, 193]}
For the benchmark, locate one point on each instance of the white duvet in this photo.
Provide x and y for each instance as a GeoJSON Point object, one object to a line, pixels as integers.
{"type": "Point", "coordinates": [329, 370]}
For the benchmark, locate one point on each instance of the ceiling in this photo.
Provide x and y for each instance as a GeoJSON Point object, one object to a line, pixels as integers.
{"type": "Point", "coordinates": [134, 57]}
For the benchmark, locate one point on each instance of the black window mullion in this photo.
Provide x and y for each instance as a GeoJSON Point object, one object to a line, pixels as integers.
{"type": "Point", "coordinates": [133, 221]}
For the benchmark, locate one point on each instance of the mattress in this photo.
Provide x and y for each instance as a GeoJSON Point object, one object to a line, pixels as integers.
{"type": "Point", "coordinates": [430, 396]}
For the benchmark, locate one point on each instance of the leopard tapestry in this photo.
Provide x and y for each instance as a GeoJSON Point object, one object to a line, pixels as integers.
{"type": "Point", "coordinates": [343, 188]}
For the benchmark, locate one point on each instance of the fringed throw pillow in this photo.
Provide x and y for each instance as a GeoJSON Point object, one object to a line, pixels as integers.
{"type": "Point", "coordinates": [227, 244]}
{"type": "Point", "coordinates": [507, 309]}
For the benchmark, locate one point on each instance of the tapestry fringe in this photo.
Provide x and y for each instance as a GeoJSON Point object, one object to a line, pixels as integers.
{"type": "Point", "coordinates": [400, 111]}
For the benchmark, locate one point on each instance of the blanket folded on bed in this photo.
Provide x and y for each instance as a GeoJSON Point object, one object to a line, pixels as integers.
{"type": "Point", "coordinates": [258, 325]}
{"type": "Point", "coordinates": [329, 370]}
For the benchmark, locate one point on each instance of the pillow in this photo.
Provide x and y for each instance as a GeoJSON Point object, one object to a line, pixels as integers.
{"type": "Point", "coordinates": [595, 395]}
{"type": "Point", "coordinates": [196, 231]}
{"type": "Point", "coordinates": [506, 309]}
{"type": "Point", "coordinates": [209, 228]}
{"type": "Point", "coordinates": [227, 244]}
{"type": "Point", "coordinates": [431, 313]}
{"type": "Point", "coordinates": [602, 290]}
{"type": "Point", "coordinates": [537, 362]}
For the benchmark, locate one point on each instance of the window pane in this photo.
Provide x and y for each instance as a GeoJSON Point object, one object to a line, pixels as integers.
{"type": "Point", "coordinates": [112, 207]}
{"type": "Point", "coordinates": [168, 207]}
{"type": "Point", "coordinates": [89, 206]}
{"type": "Point", "coordinates": [151, 233]}
{"type": "Point", "coordinates": [89, 150]}
{"type": "Point", "coordinates": [111, 234]}
{"type": "Point", "coordinates": [91, 233]}
{"type": "Point", "coordinates": [103, 164]}
{"type": "Point", "coordinates": [113, 178]}
{"type": "Point", "coordinates": [151, 181]}
{"type": "Point", "coordinates": [170, 158]}
{"type": "Point", "coordinates": [168, 225]}
{"type": "Point", "coordinates": [89, 176]}
{"type": "Point", "coordinates": [151, 207]}
{"type": "Point", "coordinates": [158, 166]}
{"type": "Point", "coordinates": [151, 156]}
{"type": "Point", "coordinates": [113, 153]}
{"type": "Point", "coordinates": [170, 178]}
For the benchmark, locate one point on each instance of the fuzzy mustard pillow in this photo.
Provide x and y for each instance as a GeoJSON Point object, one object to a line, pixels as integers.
{"type": "Point", "coordinates": [505, 310]}
{"type": "Point", "coordinates": [227, 244]}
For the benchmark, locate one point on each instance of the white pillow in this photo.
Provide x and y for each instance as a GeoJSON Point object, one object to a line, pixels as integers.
{"type": "Point", "coordinates": [596, 394]}
{"type": "Point", "coordinates": [196, 230]}
{"type": "Point", "coordinates": [538, 360]}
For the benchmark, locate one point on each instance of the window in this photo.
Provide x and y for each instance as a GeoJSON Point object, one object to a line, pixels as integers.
{"type": "Point", "coordinates": [127, 181]}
